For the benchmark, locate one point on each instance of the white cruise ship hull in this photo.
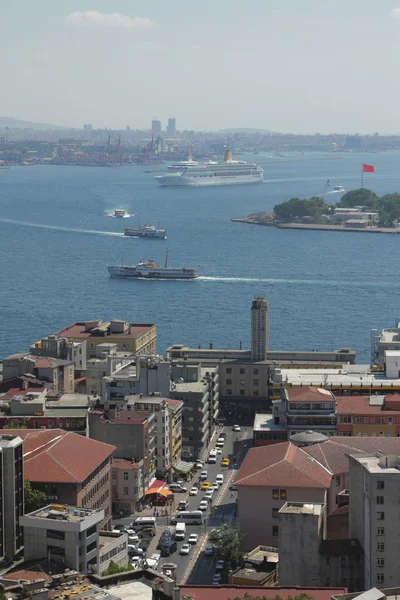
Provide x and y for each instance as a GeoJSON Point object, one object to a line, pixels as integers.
{"type": "Point", "coordinates": [168, 273]}
{"type": "Point", "coordinates": [183, 180]}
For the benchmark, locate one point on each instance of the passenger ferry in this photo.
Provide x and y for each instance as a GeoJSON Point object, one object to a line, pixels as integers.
{"type": "Point", "coordinates": [148, 231]}
{"type": "Point", "coordinates": [228, 172]}
{"type": "Point", "coordinates": [148, 269]}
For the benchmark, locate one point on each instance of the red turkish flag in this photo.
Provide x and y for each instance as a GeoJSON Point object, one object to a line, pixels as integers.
{"type": "Point", "coordinates": [368, 169]}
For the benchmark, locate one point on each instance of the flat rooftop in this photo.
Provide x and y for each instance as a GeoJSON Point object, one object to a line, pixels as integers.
{"type": "Point", "coordinates": [390, 336]}
{"type": "Point", "coordinates": [139, 590]}
{"type": "Point", "coordinates": [348, 375]}
{"type": "Point", "coordinates": [301, 508]}
{"type": "Point", "coordinates": [190, 386]}
{"type": "Point", "coordinates": [60, 512]}
{"type": "Point", "coordinates": [377, 463]}
{"type": "Point", "coordinates": [126, 371]}
{"type": "Point", "coordinates": [78, 330]}
{"type": "Point", "coordinates": [261, 553]}
{"type": "Point", "coordinates": [265, 422]}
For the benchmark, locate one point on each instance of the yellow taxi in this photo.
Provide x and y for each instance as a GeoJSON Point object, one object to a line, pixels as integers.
{"type": "Point", "coordinates": [205, 485]}
{"type": "Point", "coordinates": [225, 462]}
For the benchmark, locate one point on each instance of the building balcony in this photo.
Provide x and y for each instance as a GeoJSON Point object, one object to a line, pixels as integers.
{"type": "Point", "coordinates": [310, 423]}
{"type": "Point", "coordinates": [300, 411]}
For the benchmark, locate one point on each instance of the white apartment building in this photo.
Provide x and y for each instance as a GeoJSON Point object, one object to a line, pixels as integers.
{"type": "Point", "coordinates": [374, 516]}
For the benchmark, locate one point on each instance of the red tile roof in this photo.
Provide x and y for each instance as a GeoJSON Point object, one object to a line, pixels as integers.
{"type": "Point", "coordinates": [59, 456]}
{"type": "Point", "coordinates": [282, 465]}
{"type": "Point", "coordinates": [43, 363]}
{"type": "Point", "coordinates": [225, 592]}
{"type": "Point", "coordinates": [359, 405]}
{"type": "Point", "coordinates": [129, 417]}
{"type": "Point", "coordinates": [309, 393]}
{"type": "Point", "coordinates": [333, 453]}
{"type": "Point", "coordinates": [173, 402]}
{"type": "Point", "coordinates": [77, 330]}
{"type": "Point", "coordinates": [19, 392]}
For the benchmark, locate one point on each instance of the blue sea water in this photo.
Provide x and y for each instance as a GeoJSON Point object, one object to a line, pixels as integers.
{"type": "Point", "coordinates": [325, 289]}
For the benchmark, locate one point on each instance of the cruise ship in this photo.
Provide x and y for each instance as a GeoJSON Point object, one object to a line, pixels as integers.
{"type": "Point", "coordinates": [148, 269]}
{"type": "Point", "coordinates": [148, 231]}
{"type": "Point", "coordinates": [228, 172]}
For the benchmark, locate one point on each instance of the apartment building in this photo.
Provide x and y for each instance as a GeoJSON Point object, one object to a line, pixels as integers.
{"type": "Point", "coordinates": [71, 469]}
{"type": "Point", "coordinates": [66, 534]}
{"type": "Point", "coordinates": [131, 433]}
{"type": "Point", "coordinates": [130, 337]}
{"type": "Point", "coordinates": [198, 390]}
{"type": "Point", "coordinates": [269, 477]}
{"type": "Point", "coordinates": [310, 408]}
{"type": "Point", "coordinates": [11, 495]}
{"type": "Point", "coordinates": [374, 416]}
{"type": "Point", "coordinates": [127, 485]}
{"type": "Point", "coordinates": [308, 557]}
{"type": "Point", "coordinates": [56, 373]}
{"type": "Point", "coordinates": [136, 375]}
{"type": "Point", "coordinates": [374, 515]}
{"type": "Point", "coordinates": [175, 408]}
{"type": "Point", "coordinates": [59, 347]}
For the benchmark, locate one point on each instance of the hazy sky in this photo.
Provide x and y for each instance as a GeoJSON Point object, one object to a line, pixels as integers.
{"type": "Point", "coordinates": [286, 65]}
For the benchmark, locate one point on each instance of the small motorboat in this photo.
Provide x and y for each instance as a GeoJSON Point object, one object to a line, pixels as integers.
{"type": "Point", "coordinates": [339, 188]}
{"type": "Point", "coordinates": [119, 213]}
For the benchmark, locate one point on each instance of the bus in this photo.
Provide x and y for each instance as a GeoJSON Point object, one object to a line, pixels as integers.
{"type": "Point", "coordinates": [190, 517]}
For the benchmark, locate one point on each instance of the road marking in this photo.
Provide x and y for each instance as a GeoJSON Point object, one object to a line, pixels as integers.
{"type": "Point", "coordinates": [193, 560]}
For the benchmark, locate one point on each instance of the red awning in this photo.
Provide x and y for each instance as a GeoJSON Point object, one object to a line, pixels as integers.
{"type": "Point", "coordinates": [156, 486]}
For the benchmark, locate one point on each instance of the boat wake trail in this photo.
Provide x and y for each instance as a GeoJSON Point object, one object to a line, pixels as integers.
{"type": "Point", "coordinates": [58, 228]}
{"type": "Point", "coordinates": [321, 282]}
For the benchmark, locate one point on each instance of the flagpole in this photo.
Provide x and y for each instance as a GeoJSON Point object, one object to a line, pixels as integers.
{"type": "Point", "coordinates": [362, 176]}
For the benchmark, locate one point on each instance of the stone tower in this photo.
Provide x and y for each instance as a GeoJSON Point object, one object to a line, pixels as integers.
{"type": "Point", "coordinates": [259, 328]}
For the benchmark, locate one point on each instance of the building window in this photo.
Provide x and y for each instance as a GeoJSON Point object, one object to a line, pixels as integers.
{"type": "Point", "coordinates": [345, 419]}
{"type": "Point", "coordinates": [228, 381]}
{"type": "Point", "coordinates": [275, 513]}
{"type": "Point", "coordinates": [114, 489]}
{"type": "Point", "coordinates": [337, 479]}
{"type": "Point", "coordinates": [275, 530]}
{"type": "Point", "coordinates": [381, 547]}
{"type": "Point", "coordinates": [380, 577]}
{"type": "Point", "coordinates": [91, 547]}
{"type": "Point", "coordinates": [275, 494]}
{"type": "Point", "coordinates": [381, 516]}
{"type": "Point", "coordinates": [229, 392]}
{"type": "Point", "coordinates": [242, 371]}
{"type": "Point", "coordinates": [380, 485]}
{"type": "Point", "coordinates": [126, 491]}
{"type": "Point", "coordinates": [55, 550]}
{"type": "Point", "coordinates": [92, 530]}
{"type": "Point", "coordinates": [255, 371]}
{"type": "Point", "coordinates": [255, 392]}
{"type": "Point", "coordinates": [55, 535]}
{"type": "Point", "coordinates": [380, 500]}
{"type": "Point", "coordinates": [381, 531]}
{"type": "Point", "coordinates": [125, 476]}
{"type": "Point", "coordinates": [380, 562]}
{"type": "Point", "coordinates": [242, 392]}
{"type": "Point", "coordinates": [282, 494]}
{"type": "Point", "coordinates": [255, 381]}
{"type": "Point", "coordinates": [229, 370]}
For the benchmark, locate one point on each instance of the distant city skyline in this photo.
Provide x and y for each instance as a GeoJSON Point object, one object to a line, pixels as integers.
{"type": "Point", "coordinates": [283, 66]}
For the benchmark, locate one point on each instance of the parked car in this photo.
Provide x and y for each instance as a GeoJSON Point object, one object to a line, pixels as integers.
{"type": "Point", "coordinates": [219, 479]}
{"type": "Point", "coordinates": [236, 428]}
{"type": "Point", "coordinates": [152, 561]}
{"type": "Point", "coordinates": [193, 538]}
{"type": "Point", "coordinates": [209, 494]}
{"type": "Point", "coordinates": [219, 451]}
{"type": "Point", "coordinates": [194, 491]}
{"type": "Point", "coordinates": [177, 487]}
{"type": "Point", "coordinates": [132, 539]}
{"type": "Point", "coordinates": [185, 549]}
{"type": "Point", "coordinates": [168, 548]}
{"type": "Point", "coordinates": [120, 528]}
{"type": "Point", "coordinates": [135, 561]}
{"type": "Point", "coordinates": [183, 504]}
{"type": "Point", "coordinates": [214, 487]}
{"type": "Point", "coordinates": [164, 538]}
{"type": "Point", "coordinates": [233, 487]}
{"type": "Point", "coordinates": [203, 475]}
{"type": "Point", "coordinates": [203, 505]}
{"type": "Point", "coordinates": [209, 551]}
{"type": "Point", "coordinates": [199, 464]}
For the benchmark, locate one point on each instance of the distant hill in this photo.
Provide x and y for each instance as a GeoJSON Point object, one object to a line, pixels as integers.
{"type": "Point", "coordinates": [244, 130]}
{"type": "Point", "coordinates": [18, 124]}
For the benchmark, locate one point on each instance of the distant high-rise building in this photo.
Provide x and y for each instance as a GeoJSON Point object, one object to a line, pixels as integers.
{"type": "Point", "coordinates": [155, 127]}
{"type": "Point", "coordinates": [171, 127]}
{"type": "Point", "coordinates": [259, 328]}
{"type": "Point", "coordinates": [11, 495]}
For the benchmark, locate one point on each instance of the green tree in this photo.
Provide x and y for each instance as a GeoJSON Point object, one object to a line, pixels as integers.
{"type": "Point", "coordinates": [389, 209]}
{"type": "Point", "coordinates": [18, 424]}
{"type": "Point", "coordinates": [297, 208]}
{"type": "Point", "coordinates": [33, 499]}
{"type": "Point", "coordinates": [227, 542]}
{"type": "Point", "coordinates": [360, 197]}
{"type": "Point", "coordinates": [114, 569]}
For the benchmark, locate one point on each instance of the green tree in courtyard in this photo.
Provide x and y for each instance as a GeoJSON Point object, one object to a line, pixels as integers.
{"type": "Point", "coordinates": [33, 499]}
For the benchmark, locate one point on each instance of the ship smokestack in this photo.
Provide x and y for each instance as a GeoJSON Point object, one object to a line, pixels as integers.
{"type": "Point", "coordinates": [228, 156]}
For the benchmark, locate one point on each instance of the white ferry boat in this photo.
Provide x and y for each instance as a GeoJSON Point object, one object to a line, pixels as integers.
{"type": "Point", "coordinates": [228, 172]}
{"type": "Point", "coordinates": [119, 213]}
{"type": "Point", "coordinates": [148, 269]}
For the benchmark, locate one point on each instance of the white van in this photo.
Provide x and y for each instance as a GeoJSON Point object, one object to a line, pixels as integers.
{"type": "Point", "coordinates": [219, 479]}
{"type": "Point", "coordinates": [180, 531]}
{"type": "Point", "coordinates": [142, 522]}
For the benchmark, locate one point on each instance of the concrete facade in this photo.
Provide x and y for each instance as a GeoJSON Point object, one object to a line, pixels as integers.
{"type": "Point", "coordinates": [57, 372]}
{"type": "Point", "coordinates": [127, 485]}
{"type": "Point", "coordinates": [68, 535]}
{"type": "Point", "coordinates": [133, 435]}
{"type": "Point", "coordinates": [243, 388]}
{"type": "Point", "coordinates": [12, 495]}
{"type": "Point", "coordinates": [112, 547]}
{"type": "Point", "coordinates": [374, 515]}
